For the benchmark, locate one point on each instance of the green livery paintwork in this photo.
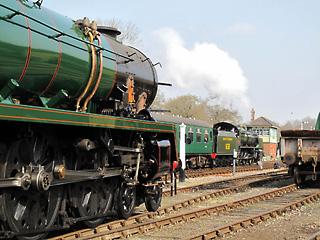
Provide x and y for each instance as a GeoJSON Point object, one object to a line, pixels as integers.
{"type": "Point", "coordinates": [42, 61]}
{"type": "Point", "coordinates": [25, 113]}
{"type": "Point", "coordinates": [317, 127]}
{"type": "Point", "coordinates": [195, 147]}
{"type": "Point", "coordinates": [226, 143]}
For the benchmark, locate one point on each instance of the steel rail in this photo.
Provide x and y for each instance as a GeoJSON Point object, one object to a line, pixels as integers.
{"type": "Point", "coordinates": [147, 221]}
{"type": "Point", "coordinates": [128, 230]}
{"type": "Point", "coordinates": [315, 236]}
{"type": "Point", "coordinates": [221, 170]}
{"type": "Point", "coordinates": [220, 231]}
{"type": "Point", "coordinates": [203, 185]}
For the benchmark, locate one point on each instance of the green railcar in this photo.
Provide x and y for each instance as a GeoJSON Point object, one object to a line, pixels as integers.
{"type": "Point", "coordinates": [199, 138]}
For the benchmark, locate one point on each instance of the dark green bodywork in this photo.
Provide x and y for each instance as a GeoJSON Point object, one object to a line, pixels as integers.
{"type": "Point", "coordinates": [75, 63]}
{"type": "Point", "coordinates": [73, 133]}
{"type": "Point", "coordinates": [225, 143]}
{"type": "Point", "coordinates": [193, 147]}
{"type": "Point", "coordinates": [317, 127]}
{"type": "Point", "coordinates": [46, 52]}
{"type": "Point", "coordinates": [23, 113]}
{"type": "Point", "coordinates": [202, 145]}
{"type": "Point", "coordinates": [230, 140]}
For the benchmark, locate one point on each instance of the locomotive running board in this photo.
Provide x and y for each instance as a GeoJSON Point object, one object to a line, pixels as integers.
{"type": "Point", "coordinates": [24, 113]}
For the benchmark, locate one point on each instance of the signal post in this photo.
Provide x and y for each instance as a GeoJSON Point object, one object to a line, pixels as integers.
{"type": "Point", "coordinates": [182, 173]}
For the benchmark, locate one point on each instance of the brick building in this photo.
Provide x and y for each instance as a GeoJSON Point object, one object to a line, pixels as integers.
{"type": "Point", "coordinates": [269, 132]}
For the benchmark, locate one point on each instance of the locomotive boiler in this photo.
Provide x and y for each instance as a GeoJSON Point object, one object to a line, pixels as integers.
{"type": "Point", "coordinates": [77, 141]}
{"type": "Point", "coordinates": [53, 58]}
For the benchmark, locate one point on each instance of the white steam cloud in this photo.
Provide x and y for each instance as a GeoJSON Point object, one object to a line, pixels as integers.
{"type": "Point", "coordinates": [205, 66]}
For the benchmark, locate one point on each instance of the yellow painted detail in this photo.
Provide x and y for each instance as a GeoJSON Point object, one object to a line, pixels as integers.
{"type": "Point", "coordinates": [227, 139]}
{"type": "Point", "coordinates": [227, 145]}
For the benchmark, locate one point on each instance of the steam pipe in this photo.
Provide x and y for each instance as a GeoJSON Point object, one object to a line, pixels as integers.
{"type": "Point", "coordinates": [92, 75]}
{"type": "Point", "coordinates": [84, 108]}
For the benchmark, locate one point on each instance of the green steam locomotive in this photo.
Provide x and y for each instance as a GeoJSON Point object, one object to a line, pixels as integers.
{"type": "Point", "coordinates": [76, 142]}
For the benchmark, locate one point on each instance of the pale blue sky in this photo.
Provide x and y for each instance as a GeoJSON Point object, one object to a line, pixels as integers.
{"type": "Point", "coordinates": [275, 42]}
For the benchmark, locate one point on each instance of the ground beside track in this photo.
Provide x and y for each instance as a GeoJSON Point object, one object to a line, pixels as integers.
{"type": "Point", "coordinates": [296, 224]}
{"type": "Point", "coordinates": [190, 228]}
{"type": "Point", "coordinates": [219, 177]}
{"type": "Point", "coordinates": [166, 201]}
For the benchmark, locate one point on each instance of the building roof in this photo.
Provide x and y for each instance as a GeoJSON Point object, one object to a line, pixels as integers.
{"type": "Point", "coordinates": [174, 119]}
{"type": "Point", "coordinates": [262, 122]}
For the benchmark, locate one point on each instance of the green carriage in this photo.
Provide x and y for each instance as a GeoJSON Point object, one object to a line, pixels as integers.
{"type": "Point", "coordinates": [199, 139]}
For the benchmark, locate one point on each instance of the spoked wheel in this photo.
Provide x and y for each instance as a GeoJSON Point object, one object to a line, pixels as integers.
{"type": "Point", "coordinates": [192, 162]}
{"type": "Point", "coordinates": [201, 161]}
{"type": "Point", "coordinates": [93, 199]}
{"type": "Point", "coordinates": [298, 178]}
{"type": "Point", "coordinates": [32, 209]}
{"type": "Point", "coordinates": [125, 200]}
{"type": "Point", "coordinates": [153, 198]}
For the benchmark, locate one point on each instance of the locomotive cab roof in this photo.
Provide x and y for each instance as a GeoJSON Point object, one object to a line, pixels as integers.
{"type": "Point", "coordinates": [225, 126]}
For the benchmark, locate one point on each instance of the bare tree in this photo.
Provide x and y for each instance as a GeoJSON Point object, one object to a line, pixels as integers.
{"type": "Point", "coordinates": [188, 106]}
{"type": "Point", "coordinates": [221, 114]}
{"type": "Point", "coordinates": [130, 33]}
{"type": "Point", "coordinates": [159, 102]}
{"type": "Point", "coordinates": [191, 106]}
{"type": "Point", "coordinates": [307, 123]}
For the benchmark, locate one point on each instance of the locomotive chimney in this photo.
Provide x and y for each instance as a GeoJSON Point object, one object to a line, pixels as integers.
{"type": "Point", "coordinates": [110, 31]}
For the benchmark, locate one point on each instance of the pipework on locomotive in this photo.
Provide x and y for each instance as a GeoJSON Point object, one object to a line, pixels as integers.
{"type": "Point", "coordinates": [77, 140]}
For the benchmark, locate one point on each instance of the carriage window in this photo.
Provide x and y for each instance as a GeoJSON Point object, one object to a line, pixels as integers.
{"type": "Point", "coordinates": [190, 133]}
{"type": "Point", "coordinates": [198, 135]}
{"type": "Point", "coordinates": [206, 136]}
{"type": "Point", "coordinates": [210, 136]}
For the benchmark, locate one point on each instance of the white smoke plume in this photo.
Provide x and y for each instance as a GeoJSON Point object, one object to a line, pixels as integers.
{"type": "Point", "coordinates": [205, 66]}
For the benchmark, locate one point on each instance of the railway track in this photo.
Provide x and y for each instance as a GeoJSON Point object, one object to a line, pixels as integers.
{"type": "Point", "coordinates": [218, 220]}
{"type": "Point", "coordinates": [193, 173]}
{"type": "Point", "coordinates": [215, 182]}
{"type": "Point", "coordinates": [315, 236]}
{"type": "Point", "coordinates": [248, 217]}
{"type": "Point", "coordinates": [147, 220]}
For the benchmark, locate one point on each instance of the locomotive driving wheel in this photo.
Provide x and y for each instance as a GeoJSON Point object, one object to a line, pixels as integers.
{"type": "Point", "coordinates": [93, 199]}
{"type": "Point", "coordinates": [125, 200]}
{"type": "Point", "coordinates": [153, 198]}
{"type": "Point", "coordinates": [30, 210]}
